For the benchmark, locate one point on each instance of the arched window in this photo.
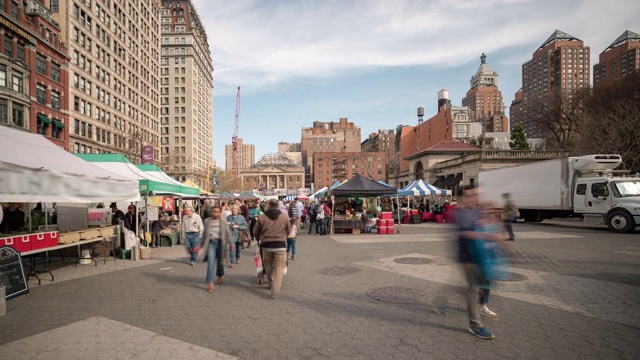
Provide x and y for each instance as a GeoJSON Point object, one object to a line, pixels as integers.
{"type": "Point", "coordinates": [419, 171]}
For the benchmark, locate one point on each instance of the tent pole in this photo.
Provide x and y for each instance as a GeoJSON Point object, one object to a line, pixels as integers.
{"type": "Point", "coordinates": [398, 210]}
{"type": "Point", "coordinates": [333, 206]}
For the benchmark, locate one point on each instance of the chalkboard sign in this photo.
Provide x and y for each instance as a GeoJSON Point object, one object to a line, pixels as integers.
{"type": "Point", "coordinates": [12, 273]}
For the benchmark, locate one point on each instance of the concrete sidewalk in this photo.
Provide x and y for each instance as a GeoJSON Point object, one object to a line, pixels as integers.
{"type": "Point", "coordinates": [345, 297]}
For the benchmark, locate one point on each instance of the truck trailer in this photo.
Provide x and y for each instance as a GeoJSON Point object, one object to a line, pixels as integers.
{"type": "Point", "coordinates": [586, 187]}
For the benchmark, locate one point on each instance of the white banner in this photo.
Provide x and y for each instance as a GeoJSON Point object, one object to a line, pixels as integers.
{"type": "Point", "coordinates": [20, 185]}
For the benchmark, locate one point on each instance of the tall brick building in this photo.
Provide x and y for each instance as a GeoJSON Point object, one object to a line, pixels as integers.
{"type": "Point", "coordinates": [33, 71]}
{"type": "Point", "coordinates": [619, 59]}
{"type": "Point", "coordinates": [246, 155]}
{"type": "Point", "coordinates": [342, 136]}
{"type": "Point", "coordinates": [331, 166]}
{"type": "Point", "coordinates": [484, 99]}
{"type": "Point", "coordinates": [560, 64]}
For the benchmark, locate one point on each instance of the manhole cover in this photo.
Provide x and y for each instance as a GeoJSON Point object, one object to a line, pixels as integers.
{"type": "Point", "coordinates": [511, 276]}
{"type": "Point", "coordinates": [412, 260]}
{"type": "Point", "coordinates": [339, 270]}
{"type": "Point", "coordinates": [396, 295]}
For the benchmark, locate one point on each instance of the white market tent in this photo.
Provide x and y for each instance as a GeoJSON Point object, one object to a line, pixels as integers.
{"type": "Point", "coordinates": [33, 169]}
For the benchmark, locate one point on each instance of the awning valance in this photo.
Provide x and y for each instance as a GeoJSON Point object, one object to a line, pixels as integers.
{"type": "Point", "coordinates": [58, 123]}
{"type": "Point", "coordinates": [44, 119]}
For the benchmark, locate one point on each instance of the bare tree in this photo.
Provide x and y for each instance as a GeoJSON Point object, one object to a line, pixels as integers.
{"type": "Point", "coordinates": [226, 181]}
{"type": "Point", "coordinates": [561, 114]}
{"type": "Point", "coordinates": [613, 121]}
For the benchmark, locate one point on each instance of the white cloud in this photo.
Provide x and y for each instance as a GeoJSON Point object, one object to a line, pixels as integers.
{"type": "Point", "coordinates": [260, 44]}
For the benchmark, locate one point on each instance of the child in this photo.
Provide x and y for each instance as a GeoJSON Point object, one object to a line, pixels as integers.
{"type": "Point", "coordinates": [291, 240]}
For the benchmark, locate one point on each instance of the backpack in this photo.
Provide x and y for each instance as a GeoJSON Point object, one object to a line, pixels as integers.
{"type": "Point", "coordinates": [293, 211]}
{"type": "Point", "coordinates": [313, 210]}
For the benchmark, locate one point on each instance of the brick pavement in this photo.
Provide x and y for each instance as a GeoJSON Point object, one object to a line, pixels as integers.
{"type": "Point", "coordinates": [331, 317]}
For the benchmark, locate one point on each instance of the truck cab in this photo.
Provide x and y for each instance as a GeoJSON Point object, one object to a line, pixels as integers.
{"type": "Point", "coordinates": [603, 198]}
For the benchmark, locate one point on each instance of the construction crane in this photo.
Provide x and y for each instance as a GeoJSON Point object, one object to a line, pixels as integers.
{"type": "Point", "coordinates": [234, 138]}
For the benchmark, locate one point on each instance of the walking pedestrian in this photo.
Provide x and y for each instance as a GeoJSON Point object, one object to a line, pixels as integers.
{"type": "Point", "coordinates": [291, 240]}
{"type": "Point", "coordinates": [215, 239]}
{"type": "Point", "coordinates": [295, 211]}
{"type": "Point", "coordinates": [254, 213]}
{"type": "Point", "coordinates": [237, 223]}
{"type": "Point", "coordinates": [312, 212]}
{"type": "Point", "coordinates": [272, 229]}
{"type": "Point", "coordinates": [509, 214]}
{"type": "Point", "coordinates": [469, 217]}
{"type": "Point", "coordinates": [226, 210]}
{"type": "Point", "coordinates": [321, 217]}
{"type": "Point", "coordinates": [192, 229]}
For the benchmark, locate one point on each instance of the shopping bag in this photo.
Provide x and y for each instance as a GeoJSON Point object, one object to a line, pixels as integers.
{"type": "Point", "coordinates": [490, 259]}
{"type": "Point", "coordinates": [258, 260]}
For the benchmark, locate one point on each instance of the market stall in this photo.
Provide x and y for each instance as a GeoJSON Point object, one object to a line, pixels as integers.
{"type": "Point", "coordinates": [34, 170]}
{"type": "Point", "coordinates": [158, 191]}
{"type": "Point", "coordinates": [420, 188]}
{"type": "Point", "coordinates": [357, 188]}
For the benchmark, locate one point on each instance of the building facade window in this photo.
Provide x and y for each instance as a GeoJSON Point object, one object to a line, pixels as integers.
{"type": "Point", "coordinates": [18, 84]}
{"type": "Point", "coordinates": [41, 65]}
{"type": "Point", "coordinates": [3, 76]}
{"type": "Point", "coordinates": [18, 115]}
{"type": "Point", "coordinates": [3, 111]}
{"type": "Point", "coordinates": [41, 94]}
{"type": "Point", "coordinates": [55, 100]}
{"type": "Point", "coordinates": [8, 46]}
{"type": "Point", "coordinates": [55, 72]}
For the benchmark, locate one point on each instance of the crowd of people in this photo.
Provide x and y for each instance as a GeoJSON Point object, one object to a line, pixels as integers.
{"type": "Point", "coordinates": [235, 225]}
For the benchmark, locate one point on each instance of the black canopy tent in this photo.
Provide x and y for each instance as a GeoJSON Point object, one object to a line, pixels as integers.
{"type": "Point", "coordinates": [359, 185]}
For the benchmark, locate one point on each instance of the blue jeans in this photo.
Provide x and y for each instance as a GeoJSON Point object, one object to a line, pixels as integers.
{"type": "Point", "coordinates": [323, 226]}
{"type": "Point", "coordinates": [235, 254]}
{"type": "Point", "coordinates": [214, 258]}
{"type": "Point", "coordinates": [191, 241]}
{"type": "Point", "coordinates": [291, 246]}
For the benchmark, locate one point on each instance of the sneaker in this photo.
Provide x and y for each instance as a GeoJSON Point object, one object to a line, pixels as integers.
{"type": "Point", "coordinates": [441, 309]}
{"type": "Point", "coordinates": [288, 256]}
{"type": "Point", "coordinates": [482, 333]}
{"type": "Point", "coordinates": [484, 310]}
{"type": "Point", "coordinates": [293, 258]}
{"type": "Point", "coordinates": [193, 263]}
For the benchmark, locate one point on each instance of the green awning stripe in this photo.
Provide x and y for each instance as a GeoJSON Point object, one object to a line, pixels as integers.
{"type": "Point", "coordinates": [58, 123]}
{"type": "Point", "coordinates": [44, 119]}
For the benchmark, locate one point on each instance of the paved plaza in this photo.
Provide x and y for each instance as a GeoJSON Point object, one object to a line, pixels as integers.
{"type": "Point", "coordinates": [574, 294]}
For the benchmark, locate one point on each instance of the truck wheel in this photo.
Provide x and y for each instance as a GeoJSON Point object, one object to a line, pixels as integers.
{"type": "Point", "coordinates": [620, 221]}
{"type": "Point", "coordinates": [536, 217]}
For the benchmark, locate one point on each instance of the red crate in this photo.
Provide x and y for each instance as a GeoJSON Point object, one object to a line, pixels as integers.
{"type": "Point", "coordinates": [439, 219]}
{"type": "Point", "coordinates": [386, 215]}
{"type": "Point", "coordinates": [381, 223]}
{"type": "Point", "coordinates": [20, 243]}
{"type": "Point", "coordinates": [382, 230]}
{"type": "Point", "coordinates": [391, 229]}
{"type": "Point", "coordinates": [51, 239]}
{"type": "Point", "coordinates": [390, 222]}
{"type": "Point", "coordinates": [37, 241]}
{"type": "Point", "coordinates": [413, 212]}
{"type": "Point", "coordinates": [6, 241]}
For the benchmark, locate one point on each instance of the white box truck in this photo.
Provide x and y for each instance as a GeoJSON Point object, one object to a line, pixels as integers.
{"type": "Point", "coordinates": [586, 187]}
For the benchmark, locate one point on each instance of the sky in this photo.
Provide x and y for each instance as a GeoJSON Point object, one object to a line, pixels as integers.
{"type": "Point", "coordinates": [376, 61]}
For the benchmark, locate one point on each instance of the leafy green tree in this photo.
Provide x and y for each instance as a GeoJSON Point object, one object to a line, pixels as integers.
{"type": "Point", "coordinates": [473, 141]}
{"type": "Point", "coordinates": [518, 139]}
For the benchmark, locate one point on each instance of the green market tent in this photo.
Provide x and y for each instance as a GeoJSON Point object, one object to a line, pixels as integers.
{"type": "Point", "coordinates": [155, 171]}
{"type": "Point", "coordinates": [147, 183]}
{"type": "Point", "coordinates": [248, 195]}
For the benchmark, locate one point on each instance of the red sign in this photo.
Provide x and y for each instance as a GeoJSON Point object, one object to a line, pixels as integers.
{"type": "Point", "coordinates": [168, 204]}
